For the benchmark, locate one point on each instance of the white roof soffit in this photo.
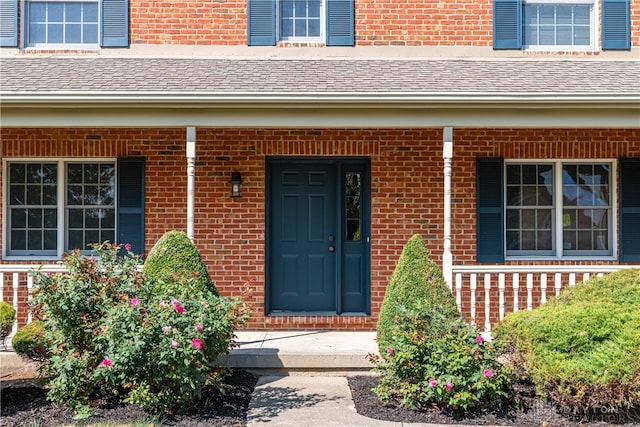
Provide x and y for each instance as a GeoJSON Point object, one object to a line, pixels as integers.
{"type": "Point", "coordinates": [166, 109]}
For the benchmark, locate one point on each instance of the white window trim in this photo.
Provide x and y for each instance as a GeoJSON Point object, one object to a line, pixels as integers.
{"type": "Point", "coordinates": [595, 41]}
{"type": "Point", "coordinates": [557, 206]}
{"type": "Point", "coordinates": [24, 30]}
{"type": "Point", "coordinates": [60, 205]}
{"type": "Point", "coordinates": [320, 39]}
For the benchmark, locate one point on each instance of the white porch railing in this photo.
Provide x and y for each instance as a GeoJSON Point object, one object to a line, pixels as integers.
{"type": "Point", "coordinates": [17, 278]}
{"type": "Point", "coordinates": [484, 294]}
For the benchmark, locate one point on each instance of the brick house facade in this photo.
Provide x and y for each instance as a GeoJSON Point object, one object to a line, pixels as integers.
{"type": "Point", "coordinates": [416, 131]}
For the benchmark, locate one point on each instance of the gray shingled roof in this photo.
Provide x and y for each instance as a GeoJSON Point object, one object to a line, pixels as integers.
{"type": "Point", "coordinates": [40, 75]}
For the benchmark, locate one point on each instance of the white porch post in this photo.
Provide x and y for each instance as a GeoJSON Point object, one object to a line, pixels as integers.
{"type": "Point", "coordinates": [447, 155]}
{"type": "Point", "coordinates": [191, 182]}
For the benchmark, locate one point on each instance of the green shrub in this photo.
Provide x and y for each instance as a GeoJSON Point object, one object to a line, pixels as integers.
{"type": "Point", "coordinates": [415, 279]}
{"type": "Point", "coordinates": [174, 261]}
{"type": "Point", "coordinates": [7, 317]}
{"type": "Point", "coordinates": [435, 360]}
{"type": "Point", "coordinates": [111, 332]}
{"type": "Point", "coordinates": [29, 341]}
{"type": "Point", "coordinates": [582, 349]}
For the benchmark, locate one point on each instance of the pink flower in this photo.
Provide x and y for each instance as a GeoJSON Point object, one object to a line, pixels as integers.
{"type": "Point", "coordinates": [179, 309]}
{"type": "Point", "coordinates": [479, 339]}
{"type": "Point", "coordinates": [106, 362]}
{"type": "Point", "coordinates": [390, 350]}
{"type": "Point", "coordinates": [134, 301]}
{"type": "Point", "coordinates": [433, 382]}
{"type": "Point", "coordinates": [166, 329]}
{"type": "Point", "coordinates": [163, 304]}
{"type": "Point", "coordinates": [127, 246]}
{"type": "Point", "coordinates": [198, 327]}
{"type": "Point", "coordinates": [448, 385]}
{"type": "Point", "coordinates": [175, 302]}
{"type": "Point", "coordinates": [174, 343]}
{"type": "Point", "coordinates": [196, 343]}
{"type": "Point", "coordinates": [48, 274]}
{"type": "Point", "coordinates": [488, 373]}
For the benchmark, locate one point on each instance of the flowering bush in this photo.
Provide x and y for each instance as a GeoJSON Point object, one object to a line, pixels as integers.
{"type": "Point", "coordinates": [434, 360]}
{"type": "Point", "coordinates": [111, 333]}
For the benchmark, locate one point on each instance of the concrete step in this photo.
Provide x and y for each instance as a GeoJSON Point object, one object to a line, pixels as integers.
{"type": "Point", "coordinates": [264, 351]}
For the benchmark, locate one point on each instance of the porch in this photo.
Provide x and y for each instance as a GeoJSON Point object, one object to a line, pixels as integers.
{"type": "Point", "coordinates": [484, 294]}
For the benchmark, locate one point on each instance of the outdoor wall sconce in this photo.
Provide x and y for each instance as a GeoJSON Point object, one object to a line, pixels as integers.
{"type": "Point", "coordinates": [236, 184]}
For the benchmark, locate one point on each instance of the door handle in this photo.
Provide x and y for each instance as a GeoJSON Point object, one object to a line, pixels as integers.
{"type": "Point", "coordinates": [332, 248]}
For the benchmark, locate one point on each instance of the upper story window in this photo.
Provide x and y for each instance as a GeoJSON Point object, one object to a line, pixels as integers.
{"type": "Point", "coordinates": [64, 24]}
{"type": "Point", "coordinates": [61, 23]}
{"type": "Point", "coordinates": [558, 26]}
{"type": "Point", "coordinates": [308, 21]}
{"type": "Point", "coordinates": [561, 24]}
{"type": "Point", "coordinates": [301, 20]}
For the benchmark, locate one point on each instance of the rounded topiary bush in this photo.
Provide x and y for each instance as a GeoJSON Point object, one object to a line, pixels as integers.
{"type": "Point", "coordinates": [415, 279]}
{"type": "Point", "coordinates": [30, 342]}
{"type": "Point", "coordinates": [7, 317]}
{"type": "Point", "coordinates": [582, 349]}
{"type": "Point", "coordinates": [174, 262]}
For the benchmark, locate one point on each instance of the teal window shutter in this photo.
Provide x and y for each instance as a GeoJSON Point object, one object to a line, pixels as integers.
{"type": "Point", "coordinates": [130, 208]}
{"type": "Point", "coordinates": [616, 25]}
{"type": "Point", "coordinates": [261, 20]}
{"type": "Point", "coordinates": [507, 24]}
{"type": "Point", "coordinates": [340, 23]}
{"type": "Point", "coordinates": [489, 210]}
{"type": "Point", "coordinates": [629, 210]}
{"type": "Point", "coordinates": [115, 23]}
{"type": "Point", "coordinates": [8, 23]}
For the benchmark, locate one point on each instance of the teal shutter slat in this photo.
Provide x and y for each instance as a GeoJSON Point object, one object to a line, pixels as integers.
{"type": "Point", "coordinates": [8, 23]}
{"type": "Point", "coordinates": [261, 17]}
{"type": "Point", "coordinates": [629, 210]}
{"type": "Point", "coordinates": [616, 25]}
{"type": "Point", "coordinates": [115, 23]}
{"type": "Point", "coordinates": [507, 24]}
{"type": "Point", "coordinates": [130, 208]}
{"type": "Point", "coordinates": [340, 23]}
{"type": "Point", "coordinates": [489, 210]}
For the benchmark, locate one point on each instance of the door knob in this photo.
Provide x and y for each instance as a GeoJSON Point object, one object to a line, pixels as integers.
{"type": "Point", "coordinates": [332, 248]}
{"type": "Point", "coordinates": [331, 238]}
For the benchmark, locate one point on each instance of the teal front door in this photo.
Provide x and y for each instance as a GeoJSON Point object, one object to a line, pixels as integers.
{"type": "Point", "coordinates": [317, 246]}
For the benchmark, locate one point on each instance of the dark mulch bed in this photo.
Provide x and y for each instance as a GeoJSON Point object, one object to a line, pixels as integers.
{"type": "Point", "coordinates": [535, 412]}
{"type": "Point", "coordinates": [23, 403]}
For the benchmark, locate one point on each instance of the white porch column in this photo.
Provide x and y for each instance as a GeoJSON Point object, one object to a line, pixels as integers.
{"type": "Point", "coordinates": [191, 181]}
{"type": "Point", "coordinates": [447, 155]}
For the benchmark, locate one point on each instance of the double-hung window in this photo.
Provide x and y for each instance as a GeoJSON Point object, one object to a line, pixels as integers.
{"type": "Point", "coordinates": [554, 209]}
{"type": "Point", "coordinates": [566, 25]}
{"type": "Point", "coordinates": [54, 206]}
{"type": "Point", "coordinates": [561, 24]}
{"type": "Point", "coordinates": [330, 22]}
{"type": "Point", "coordinates": [64, 24]}
{"type": "Point", "coordinates": [558, 209]}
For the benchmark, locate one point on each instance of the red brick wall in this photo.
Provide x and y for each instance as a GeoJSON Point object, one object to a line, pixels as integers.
{"type": "Point", "coordinates": [407, 188]}
{"type": "Point", "coordinates": [377, 23]}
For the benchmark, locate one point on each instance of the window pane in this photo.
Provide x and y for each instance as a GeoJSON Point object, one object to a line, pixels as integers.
{"type": "Point", "coordinates": [55, 12]}
{"type": "Point", "coordinates": [18, 240]}
{"type": "Point", "coordinates": [300, 28]}
{"type": "Point", "coordinates": [92, 218]}
{"type": "Point", "coordinates": [91, 236]}
{"type": "Point", "coordinates": [90, 33]}
{"type": "Point", "coordinates": [34, 240]}
{"type": "Point", "coordinates": [18, 218]}
{"type": "Point", "coordinates": [74, 174]}
{"type": "Point", "coordinates": [108, 219]}
{"type": "Point", "coordinates": [17, 173]}
{"type": "Point", "coordinates": [50, 218]}
{"type": "Point", "coordinates": [300, 8]}
{"type": "Point", "coordinates": [91, 173]}
{"type": "Point", "coordinates": [91, 193]}
{"type": "Point", "coordinates": [314, 28]}
{"type": "Point", "coordinates": [314, 8]}
{"type": "Point", "coordinates": [107, 235]}
{"type": "Point", "coordinates": [55, 33]}
{"type": "Point", "coordinates": [35, 218]}
{"type": "Point", "coordinates": [545, 241]}
{"type": "Point", "coordinates": [34, 195]}
{"type": "Point", "coordinates": [74, 195]}
{"type": "Point", "coordinates": [73, 12]}
{"type": "Point", "coordinates": [513, 240]}
{"type": "Point", "coordinates": [75, 240]}
{"type": "Point", "coordinates": [513, 219]}
{"type": "Point", "coordinates": [353, 230]}
{"type": "Point", "coordinates": [50, 239]}
{"type": "Point", "coordinates": [73, 33]}
{"type": "Point", "coordinates": [49, 196]}
{"type": "Point", "coordinates": [287, 28]}
{"type": "Point", "coordinates": [17, 195]}
{"type": "Point", "coordinates": [90, 12]}
{"type": "Point", "coordinates": [37, 12]}
{"type": "Point", "coordinates": [76, 218]}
